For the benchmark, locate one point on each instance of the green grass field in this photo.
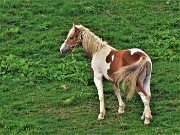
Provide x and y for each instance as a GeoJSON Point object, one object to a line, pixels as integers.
{"type": "Point", "coordinates": [45, 92]}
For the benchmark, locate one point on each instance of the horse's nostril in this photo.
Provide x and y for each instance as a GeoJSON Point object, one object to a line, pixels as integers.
{"type": "Point", "coordinates": [63, 51]}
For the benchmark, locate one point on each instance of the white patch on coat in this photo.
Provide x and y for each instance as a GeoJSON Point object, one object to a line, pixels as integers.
{"type": "Point", "coordinates": [112, 57]}
{"type": "Point", "coordinates": [62, 46]}
{"type": "Point", "coordinates": [134, 50]}
{"type": "Point", "coordinates": [99, 63]}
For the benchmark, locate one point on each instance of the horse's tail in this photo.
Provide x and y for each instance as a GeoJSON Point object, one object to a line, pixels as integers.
{"type": "Point", "coordinates": [128, 75]}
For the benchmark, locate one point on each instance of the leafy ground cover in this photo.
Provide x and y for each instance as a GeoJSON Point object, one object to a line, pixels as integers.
{"type": "Point", "coordinates": [44, 92]}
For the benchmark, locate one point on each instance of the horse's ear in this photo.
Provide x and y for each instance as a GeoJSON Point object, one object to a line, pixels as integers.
{"type": "Point", "coordinates": [74, 25]}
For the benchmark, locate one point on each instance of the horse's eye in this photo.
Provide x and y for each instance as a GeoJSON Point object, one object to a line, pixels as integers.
{"type": "Point", "coordinates": [71, 37]}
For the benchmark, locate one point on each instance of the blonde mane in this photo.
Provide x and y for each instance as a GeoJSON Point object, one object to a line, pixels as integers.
{"type": "Point", "coordinates": [91, 43]}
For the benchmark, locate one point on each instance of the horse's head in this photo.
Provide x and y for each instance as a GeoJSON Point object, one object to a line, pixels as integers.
{"type": "Point", "coordinates": [72, 41]}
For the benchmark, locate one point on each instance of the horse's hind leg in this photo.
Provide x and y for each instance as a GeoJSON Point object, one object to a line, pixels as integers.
{"type": "Point", "coordinates": [146, 86]}
{"type": "Point", "coordinates": [121, 103]}
{"type": "Point", "coordinates": [142, 89]}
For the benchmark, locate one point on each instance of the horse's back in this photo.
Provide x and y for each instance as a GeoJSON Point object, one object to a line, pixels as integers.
{"type": "Point", "coordinates": [109, 60]}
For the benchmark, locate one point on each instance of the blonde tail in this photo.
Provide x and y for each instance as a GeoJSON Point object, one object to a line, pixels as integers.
{"type": "Point", "coordinates": [128, 75]}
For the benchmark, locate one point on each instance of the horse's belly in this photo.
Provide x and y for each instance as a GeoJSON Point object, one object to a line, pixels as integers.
{"type": "Point", "coordinates": [106, 75]}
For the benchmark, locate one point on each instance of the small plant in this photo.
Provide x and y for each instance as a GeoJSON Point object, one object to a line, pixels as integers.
{"type": "Point", "coordinates": [26, 69]}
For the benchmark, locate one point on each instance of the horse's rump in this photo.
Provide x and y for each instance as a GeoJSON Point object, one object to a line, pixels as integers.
{"type": "Point", "coordinates": [128, 75]}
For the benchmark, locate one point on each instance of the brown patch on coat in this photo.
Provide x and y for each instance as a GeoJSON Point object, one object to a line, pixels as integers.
{"type": "Point", "coordinates": [92, 71]}
{"type": "Point", "coordinates": [109, 57]}
{"type": "Point", "coordinates": [116, 63]}
{"type": "Point", "coordinates": [89, 56]}
{"type": "Point", "coordinates": [129, 59]}
{"type": "Point", "coordinates": [141, 89]}
{"type": "Point", "coordinates": [121, 58]}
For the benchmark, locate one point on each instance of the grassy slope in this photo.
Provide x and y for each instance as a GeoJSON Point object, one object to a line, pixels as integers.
{"type": "Point", "coordinates": [43, 92]}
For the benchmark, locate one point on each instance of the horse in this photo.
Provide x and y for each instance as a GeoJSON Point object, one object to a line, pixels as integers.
{"type": "Point", "coordinates": [131, 68]}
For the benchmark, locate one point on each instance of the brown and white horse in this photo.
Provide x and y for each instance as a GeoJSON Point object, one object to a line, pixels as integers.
{"type": "Point", "coordinates": [131, 68]}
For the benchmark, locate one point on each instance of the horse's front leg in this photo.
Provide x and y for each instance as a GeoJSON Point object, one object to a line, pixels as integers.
{"type": "Point", "coordinates": [99, 85]}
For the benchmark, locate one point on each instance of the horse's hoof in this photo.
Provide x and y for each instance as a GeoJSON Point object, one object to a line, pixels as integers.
{"type": "Point", "coordinates": [100, 117]}
{"type": "Point", "coordinates": [120, 112]}
{"type": "Point", "coordinates": [146, 121]}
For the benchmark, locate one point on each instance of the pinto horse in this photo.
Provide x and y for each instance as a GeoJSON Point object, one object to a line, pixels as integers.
{"type": "Point", "coordinates": [132, 68]}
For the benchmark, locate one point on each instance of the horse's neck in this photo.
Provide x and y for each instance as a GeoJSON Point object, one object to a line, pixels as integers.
{"type": "Point", "coordinates": [93, 44]}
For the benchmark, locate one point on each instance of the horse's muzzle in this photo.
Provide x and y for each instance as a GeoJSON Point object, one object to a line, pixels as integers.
{"type": "Point", "coordinates": [64, 49]}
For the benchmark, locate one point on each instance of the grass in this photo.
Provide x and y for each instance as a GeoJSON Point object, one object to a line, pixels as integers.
{"type": "Point", "coordinates": [44, 92]}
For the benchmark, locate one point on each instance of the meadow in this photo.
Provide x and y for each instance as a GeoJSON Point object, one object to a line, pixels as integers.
{"type": "Point", "coordinates": [45, 92]}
